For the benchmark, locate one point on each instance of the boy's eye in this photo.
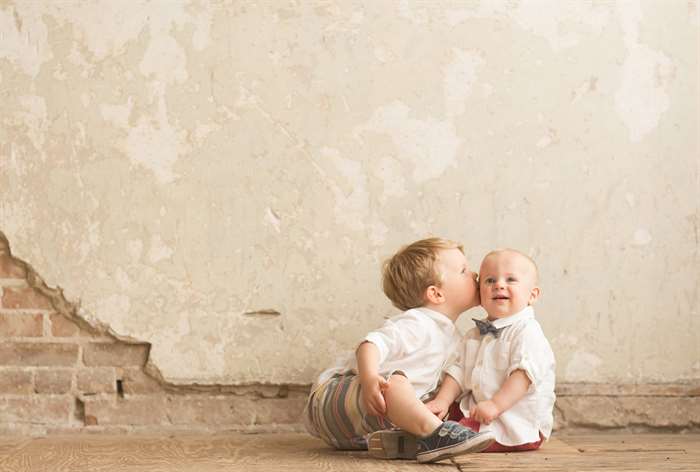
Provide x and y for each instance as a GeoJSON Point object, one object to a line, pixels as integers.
{"type": "Point", "coordinates": [512, 279]}
{"type": "Point", "coordinates": [490, 280]}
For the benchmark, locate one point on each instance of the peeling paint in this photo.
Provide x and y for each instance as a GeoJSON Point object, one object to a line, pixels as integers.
{"type": "Point", "coordinates": [272, 218]}
{"type": "Point", "coordinates": [176, 164]}
{"type": "Point", "coordinates": [156, 144]}
{"type": "Point", "coordinates": [159, 250]}
{"type": "Point", "coordinates": [350, 190]}
{"type": "Point", "coordinates": [460, 78]}
{"type": "Point", "coordinates": [642, 237]}
{"type": "Point", "coordinates": [641, 98]}
{"type": "Point", "coordinates": [24, 37]}
{"type": "Point", "coordinates": [582, 366]}
{"type": "Point", "coordinates": [430, 144]}
{"type": "Point", "coordinates": [118, 115]}
{"type": "Point", "coordinates": [583, 16]}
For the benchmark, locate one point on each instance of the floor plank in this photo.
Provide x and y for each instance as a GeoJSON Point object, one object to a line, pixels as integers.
{"type": "Point", "coordinates": [263, 452]}
{"type": "Point", "coordinates": [10, 445]}
{"type": "Point", "coordinates": [299, 452]}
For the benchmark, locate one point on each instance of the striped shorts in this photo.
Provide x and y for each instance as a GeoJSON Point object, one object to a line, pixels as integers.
{"type": "Point", "coordinates": [334, 413]}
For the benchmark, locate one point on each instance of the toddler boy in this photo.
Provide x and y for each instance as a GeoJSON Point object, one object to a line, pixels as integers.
{"type": "Point", "coordinates": [505, 367]}
{"type": "Point", "coordinates": [399, 364]}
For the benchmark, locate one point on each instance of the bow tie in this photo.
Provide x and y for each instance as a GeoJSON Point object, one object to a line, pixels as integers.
{"type": "Point", "coordinates": [486, 327]}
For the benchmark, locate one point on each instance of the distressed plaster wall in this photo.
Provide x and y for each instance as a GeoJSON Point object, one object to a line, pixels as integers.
{"type": "Point", "coordinates": [177, 166]}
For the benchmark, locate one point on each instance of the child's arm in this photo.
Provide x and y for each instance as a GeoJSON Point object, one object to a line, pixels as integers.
{"type": "Point", "coordinates": [372, 384]}
{"type": "Point", "coordinates": [448, 393]}
{"type": "Point", "coordinates": [513, 389]}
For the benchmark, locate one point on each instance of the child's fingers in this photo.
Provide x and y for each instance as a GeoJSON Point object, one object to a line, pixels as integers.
{"type": "Point", "coordinates": [381, 404]}
{"type": "Point", "coordinates": [367, 403]}
{"type": "Point", "coordinates": [374, 407]}
{"type": "Point", "coordinates": [371, 410]}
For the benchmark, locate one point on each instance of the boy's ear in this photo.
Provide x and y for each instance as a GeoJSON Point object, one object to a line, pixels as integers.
{"type": "Point", "coordinates": [434, 295]}
{"type": "Point", "coordinates": [534, 295]}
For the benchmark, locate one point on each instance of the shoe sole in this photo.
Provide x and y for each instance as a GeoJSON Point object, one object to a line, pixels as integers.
{"type": "Point", "coordinates": [473, 445]}
{"type": "Point", "coordinates": [392, 444]}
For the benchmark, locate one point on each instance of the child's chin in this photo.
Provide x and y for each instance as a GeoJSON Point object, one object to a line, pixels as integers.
{"type": "Point", "coordinates": [498, 312]}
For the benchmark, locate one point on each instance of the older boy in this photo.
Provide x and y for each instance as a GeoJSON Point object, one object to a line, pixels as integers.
{"type": "Point", "coordinates": [398, 365]}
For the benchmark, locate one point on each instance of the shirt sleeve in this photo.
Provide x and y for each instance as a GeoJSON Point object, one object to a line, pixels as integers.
{"type": "Point", "coordinates": [396, 338]}
{"type": "Point", "coordinates": [531, 353]}
{"type": "Point", "coordinates": [455, 369]}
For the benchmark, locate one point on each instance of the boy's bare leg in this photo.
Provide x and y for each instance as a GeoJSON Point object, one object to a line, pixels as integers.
{"type": "Point", "coordinates": [406, 411]}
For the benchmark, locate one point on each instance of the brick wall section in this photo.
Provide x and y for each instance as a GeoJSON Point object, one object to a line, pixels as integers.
{"type": "Point", "coordinates": [60, 374]}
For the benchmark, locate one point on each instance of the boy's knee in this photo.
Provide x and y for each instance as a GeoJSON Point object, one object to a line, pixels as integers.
{"type": "Point", "coordinates": [398, 379]}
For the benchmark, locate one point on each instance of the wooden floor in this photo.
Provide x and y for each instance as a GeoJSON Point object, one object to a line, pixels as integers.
{"type": "Point", "coordinates": [299, 452]}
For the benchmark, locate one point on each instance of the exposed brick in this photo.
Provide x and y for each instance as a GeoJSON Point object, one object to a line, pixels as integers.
{"type": "Point", "coordinates": [97, 380]}
{"type": "Point", "coordinates": [115, 354]}
{"type": "Point", "coordinates": [36, 409]}
{"type": "Point", "coordinates": [24, 297]}
{"type": "Point", "coordinates": [53, 381]}
{"type": "Point", "coordinates": [135, 381]}
{"type": "Point", "coordinates": [90, 420]}
{"type": "Point", "coordinates": [145, 410]}
{"type": "Point", "coordinates": [21, 324]}
{"type": "Point", "coordinates": [38, 354]}
{"type": "Point", "coordinates": [622, 412]}
{"type": "Point", "coordinates": [234, 410]}
{"type": "Point", "coordinates": [62, 326]}
{"type": "Point", "coordinates": [16, 381]}
{"type": "Point", "coordinates": [11, 268]}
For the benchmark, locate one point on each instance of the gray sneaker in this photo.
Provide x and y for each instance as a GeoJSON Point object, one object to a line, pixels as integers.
{"type": "Point", "coordinates": [392, 444]}
{"type": "Point", "coordinates": [451, 439]}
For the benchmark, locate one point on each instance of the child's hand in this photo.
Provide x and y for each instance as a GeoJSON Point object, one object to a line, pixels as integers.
{"type": "Point", "coordinates": [438, 408]}
{"type": "Point", "coordinates": [372, 394]}
{"type": "Point", "coordinates": [484, 412]}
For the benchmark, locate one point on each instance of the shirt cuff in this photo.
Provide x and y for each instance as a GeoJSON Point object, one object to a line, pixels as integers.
{"type": "Point", "coordinates": [377, 340]}
{"type": "Point", "coordinates": [530, 370]}
{"type": "Point", "coordinates": [456, 373]}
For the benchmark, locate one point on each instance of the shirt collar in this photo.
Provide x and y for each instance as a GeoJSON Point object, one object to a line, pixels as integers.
{"type": "Point", "coordinates": [442, 320]}
{"type": "Point", "coordinates": [524, 314]}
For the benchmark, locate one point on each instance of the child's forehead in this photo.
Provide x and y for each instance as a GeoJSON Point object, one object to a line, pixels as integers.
{"type": "Point", "coordinates": [452, 255]}
{"type": "Point", "coordinates": [510, 261]}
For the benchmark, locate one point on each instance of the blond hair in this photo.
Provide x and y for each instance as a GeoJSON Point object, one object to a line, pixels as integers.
{"type": "Point", "coordinates": [408, 273]}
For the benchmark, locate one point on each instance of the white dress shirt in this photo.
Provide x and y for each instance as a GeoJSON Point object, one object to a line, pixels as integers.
{"type": "Point", "coordinates": [419, 342]}
{"type": "Point", "coordinates": [485, 362]}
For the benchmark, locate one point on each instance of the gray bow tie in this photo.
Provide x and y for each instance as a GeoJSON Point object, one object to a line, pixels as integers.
{"type": "Point", "coordinates": [486, 327]}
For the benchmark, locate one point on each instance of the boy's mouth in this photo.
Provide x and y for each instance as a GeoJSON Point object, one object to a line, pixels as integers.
{"type": "Point", "coordinates": [500, 297]}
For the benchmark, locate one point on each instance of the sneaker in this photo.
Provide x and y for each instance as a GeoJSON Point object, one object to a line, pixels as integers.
{"type": "Point", "coordinates": [392, 444]}
{"type": "Point", "coordinates": [450, 440]}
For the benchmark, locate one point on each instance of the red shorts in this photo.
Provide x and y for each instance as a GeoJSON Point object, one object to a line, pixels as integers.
{"type": "Point", "coordinates": [456, 415]}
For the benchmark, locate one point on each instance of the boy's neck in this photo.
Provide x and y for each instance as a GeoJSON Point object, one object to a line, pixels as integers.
{"type": "Point", "coordinates": [439, 309]}
{"type": "Point", "coordinates": [500, 317]}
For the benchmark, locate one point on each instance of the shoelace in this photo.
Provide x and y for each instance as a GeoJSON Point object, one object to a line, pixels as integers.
{"type": "Point", "coordinates": [453, 429]}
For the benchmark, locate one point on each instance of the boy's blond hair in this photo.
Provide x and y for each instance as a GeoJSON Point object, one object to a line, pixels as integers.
{"type": "Point", "coordinates": [408, 273]}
